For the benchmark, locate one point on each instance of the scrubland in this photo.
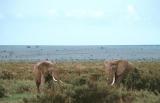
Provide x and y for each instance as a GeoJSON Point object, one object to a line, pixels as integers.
{"type": "Point", "coordinates": [83, 82]}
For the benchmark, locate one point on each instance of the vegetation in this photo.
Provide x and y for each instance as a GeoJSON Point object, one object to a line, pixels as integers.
{"type": "Point", "coordinates": [84, 82]}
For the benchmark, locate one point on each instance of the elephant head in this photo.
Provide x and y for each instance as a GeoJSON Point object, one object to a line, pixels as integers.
{"type": "Point", "coordinates": [117, 70]}
{"type": "Point", "coordinates": [42, 70]}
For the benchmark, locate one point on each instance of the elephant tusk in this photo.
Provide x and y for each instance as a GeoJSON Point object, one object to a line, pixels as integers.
{"type": "Point", "coordinates": [113, 80]}
{"type": "Point", "coordinates": [61, 82]}
{"type": "Point", "coordinates": [54, 79]}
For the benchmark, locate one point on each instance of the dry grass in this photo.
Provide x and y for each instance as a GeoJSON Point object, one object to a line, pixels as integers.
{"type": "Point", "coordinates": [84, 82]}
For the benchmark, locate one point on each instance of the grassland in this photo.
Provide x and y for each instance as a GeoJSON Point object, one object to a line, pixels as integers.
{"type": "Point", "coordinates": [84, 82]}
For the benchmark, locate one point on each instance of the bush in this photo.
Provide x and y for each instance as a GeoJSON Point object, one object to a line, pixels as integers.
{"type": "Point", "coordinates": [6, 75]}
{"type": "Point", "coordinates": [93, 92]}
{"type": "Point", "coordinates": [79, 80]}
{"type": "Point", "coordinates": [21, 87]}
{"type": "Point", "coordinates": [133, 80]}
{"type": "Point", "coordinates": [146, 97]}
{"type": "Point", "coordinates": [143, 80]}
{"type": "Point", "coordinates": [84, 94]}
{"type": "Point", "coordinates": [56, 98]}
{"type": "Point", "coordinates": [2, 91]}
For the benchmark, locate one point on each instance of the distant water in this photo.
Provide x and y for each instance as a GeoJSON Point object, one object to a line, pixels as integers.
{"type": "Point", "coordinates": [147, 52]}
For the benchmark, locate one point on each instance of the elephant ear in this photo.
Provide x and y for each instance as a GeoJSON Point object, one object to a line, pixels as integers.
{"type": "Point", "coordinates": [108, 65]}
{"type": "Point", "coordinates": [121, 68]}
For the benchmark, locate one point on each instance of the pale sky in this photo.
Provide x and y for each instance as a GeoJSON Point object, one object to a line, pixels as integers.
{"type": "Point", "coordinates": [79, 22]}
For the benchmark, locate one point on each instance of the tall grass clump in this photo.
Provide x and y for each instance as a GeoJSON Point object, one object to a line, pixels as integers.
{"type": "Point", "coordinates": [143, 78]}
{"type": "Point", "coordinates": [82, 90]}
{"type": "Point", "coordinates": [133, 80]}
{"type": "Point", "coordinates": [2, 91]}
{"type": "Point", "coordinates": [6, 75]}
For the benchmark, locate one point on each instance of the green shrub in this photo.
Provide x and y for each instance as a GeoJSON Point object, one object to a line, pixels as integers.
{"type": "Point", "coordinates": [144, 80]}
{"type": "Point", "coordinates": [22, 86]}
{"type": "Point", "coordinates": [93, 92]}
{"type": "Point", "coordinates": [79, 80]}
{"type": "Point", "coordinates": [6, 75]}
{"type": "Point", "coordinates": [145, 97]}
{"type": "Point", "coordinates": [56, 98]}
{"type": "Point", "coordinates": [2, 91]}
{"type": "Point", "coordinates": [84, 94]}
{"type": "Point", "coordinates": [133, 80]}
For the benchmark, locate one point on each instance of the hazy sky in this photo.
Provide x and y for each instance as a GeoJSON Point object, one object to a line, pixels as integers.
{"type": "Point", "coordinates": [79, 22]}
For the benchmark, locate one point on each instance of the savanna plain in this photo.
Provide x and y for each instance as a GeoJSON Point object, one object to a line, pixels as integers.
{"type": "Point", "coordinates": [83, 82]}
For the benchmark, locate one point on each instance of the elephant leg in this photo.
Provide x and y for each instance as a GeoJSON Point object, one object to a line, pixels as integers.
{"type": "Point", "coordinates": [38, 85]}
{"type": "Point", "coordinates": [42, 82]}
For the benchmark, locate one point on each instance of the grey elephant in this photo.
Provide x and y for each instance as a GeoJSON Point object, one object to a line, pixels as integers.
{"type": "Point", "coordinates": [42, 70]}
{"type": "Point", "coordinates": [117, 70]}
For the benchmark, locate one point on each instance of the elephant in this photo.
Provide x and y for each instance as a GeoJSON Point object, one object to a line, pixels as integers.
{"type": "Point", "coordinates": [117, 70]}
{"type": "Point", "coordinates": [42, 70]}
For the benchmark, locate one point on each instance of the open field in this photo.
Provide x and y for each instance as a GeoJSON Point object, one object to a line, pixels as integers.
{"type": "Point", "coordinates": [84, 82]}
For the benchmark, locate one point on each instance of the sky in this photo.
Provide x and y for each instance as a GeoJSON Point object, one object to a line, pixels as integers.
{"type": "Point", "coordinates": [79, 22]}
